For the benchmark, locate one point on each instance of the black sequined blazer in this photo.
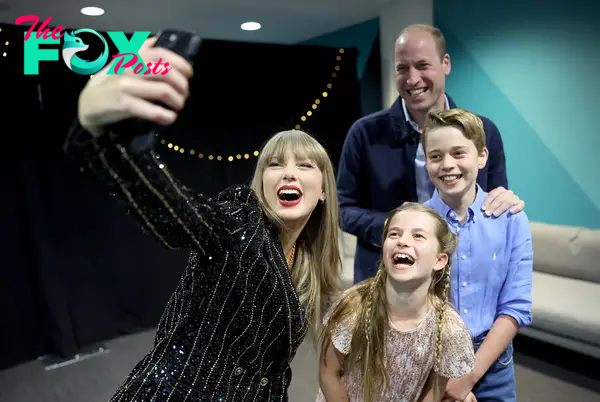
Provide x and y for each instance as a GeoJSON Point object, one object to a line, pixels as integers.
{"type": "Point", "coordinates": [234, 323]}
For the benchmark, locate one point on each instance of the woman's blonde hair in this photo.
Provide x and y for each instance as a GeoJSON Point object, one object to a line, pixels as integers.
{"type": "Point", "coordinates": [316, 270]}
{"type": "Point", "coordinates": [367, 299]}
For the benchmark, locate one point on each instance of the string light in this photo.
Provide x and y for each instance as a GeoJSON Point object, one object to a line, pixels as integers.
{"type": "Point", "coordinates": [231, 158]}
{"type": "Point", "coordinates": [303, 118]}
{"type": "Point", "coordinates": [329, 85]}
{"type": "Point", "coordinates": [201, 155]}
{"type": "Point", "coordinates": [4, 54]}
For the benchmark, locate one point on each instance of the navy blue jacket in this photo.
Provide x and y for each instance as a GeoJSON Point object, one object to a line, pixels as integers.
{"type": "Point", "coordinates": [377, 173]}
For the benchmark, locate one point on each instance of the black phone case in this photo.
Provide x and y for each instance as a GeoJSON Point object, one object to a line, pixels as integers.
{"type": "Point", "coordinates": [183, 43]}
{"type": "Point", "coordinates": [142, 134]}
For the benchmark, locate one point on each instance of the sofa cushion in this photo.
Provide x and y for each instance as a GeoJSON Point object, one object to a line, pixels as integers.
{"type": "Point", "coordinates": [347, 245]}
{"type": "Point", "coordinates": [566, 307]}
{"type": "Point", "coordinates": [347, 250]}
{"type": "Point", "coordinates": [572, 252]}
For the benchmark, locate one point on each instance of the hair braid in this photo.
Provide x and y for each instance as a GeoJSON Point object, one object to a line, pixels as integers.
{"type": "Point", "coordinates": [374, 354]}
{"type": "Point", "coordinates": [369, 304]}
{"type": "Point", "coordinates": [442, 289]}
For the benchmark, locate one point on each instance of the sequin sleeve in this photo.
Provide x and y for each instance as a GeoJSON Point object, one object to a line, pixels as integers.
{"type": "Point", "coordinates": [167, 210]}
{"type": "Point", "coordinates": [341, 332]}
{"type": "Point", "coordinates": [458, 355]}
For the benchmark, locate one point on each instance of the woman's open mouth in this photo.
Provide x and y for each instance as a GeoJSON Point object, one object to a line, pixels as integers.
{"type": "Point", "coordinates": [289, 196]}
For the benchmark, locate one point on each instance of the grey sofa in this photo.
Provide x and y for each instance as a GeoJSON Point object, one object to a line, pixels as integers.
{"type": "Point", "coordinates": [566, 287]}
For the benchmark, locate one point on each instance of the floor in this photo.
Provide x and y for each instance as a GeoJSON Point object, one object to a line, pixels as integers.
{"type": "Point", "coordinates": [95, 379]}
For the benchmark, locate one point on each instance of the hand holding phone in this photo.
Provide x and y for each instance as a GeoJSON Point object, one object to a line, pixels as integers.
{"type": "Point", "coordinates": [143, 134]}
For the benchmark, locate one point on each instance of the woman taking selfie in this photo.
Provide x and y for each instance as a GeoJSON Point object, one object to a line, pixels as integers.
{"type": "Point", "coordinates": [263, 260]}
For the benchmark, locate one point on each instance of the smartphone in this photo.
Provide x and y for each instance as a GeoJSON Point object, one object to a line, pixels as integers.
{"type": "Point", "coordinates": [183, 43]}
{"type": "Point", "coordinates": [142, 134]}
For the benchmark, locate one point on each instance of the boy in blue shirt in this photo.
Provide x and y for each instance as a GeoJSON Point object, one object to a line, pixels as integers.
{"type": "Point", "coordinates": [491, 271]}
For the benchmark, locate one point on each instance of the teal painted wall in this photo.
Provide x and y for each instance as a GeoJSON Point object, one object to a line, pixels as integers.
{"type": "Point", "coordinates": [532, 67]}
{"type": "Point", "coordinates": [360, 36]}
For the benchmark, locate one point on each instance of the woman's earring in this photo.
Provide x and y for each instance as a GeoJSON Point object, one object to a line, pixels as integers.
{"type": "Point", "coordinates": [322, 201]}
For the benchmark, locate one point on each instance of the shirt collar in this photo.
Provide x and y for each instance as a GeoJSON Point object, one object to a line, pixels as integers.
{"type": "Point", "coordinates": [410, 121]}
{"type": "Point", "coordinates": [447, 213]}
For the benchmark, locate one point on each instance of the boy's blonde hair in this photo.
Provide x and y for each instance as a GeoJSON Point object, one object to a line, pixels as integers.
{"type": "Point", "coordinates": [468, 123]}
{"type": "Point", "coordinates": [367, 300]}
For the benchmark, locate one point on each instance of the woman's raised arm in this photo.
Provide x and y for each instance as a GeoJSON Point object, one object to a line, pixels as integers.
{"type": "Point", "coordinates": [166, 209]}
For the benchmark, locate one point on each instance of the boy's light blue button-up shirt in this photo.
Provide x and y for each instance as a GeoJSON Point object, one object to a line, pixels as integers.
{"type": "Point", "coordinates": [491, 272]}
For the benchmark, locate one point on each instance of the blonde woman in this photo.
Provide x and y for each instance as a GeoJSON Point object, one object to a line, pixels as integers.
{"type": "Point", "coordinates": [263, 258]}
{"type": "Point", "coordinates": [395, 337]}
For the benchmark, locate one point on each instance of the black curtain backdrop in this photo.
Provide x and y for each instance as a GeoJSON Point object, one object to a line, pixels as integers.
{"type": "Point", "coordinates": [75, 269]}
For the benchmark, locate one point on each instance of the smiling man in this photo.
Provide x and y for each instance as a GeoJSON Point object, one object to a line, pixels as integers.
{"type": "Point", "coordinates": [382, 163]}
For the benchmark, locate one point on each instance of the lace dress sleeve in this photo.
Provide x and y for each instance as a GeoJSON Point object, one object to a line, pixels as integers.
{"type": "Point", "coordinates": [457, 354]}
{"type": "Point", "coordinates": [172, 213]}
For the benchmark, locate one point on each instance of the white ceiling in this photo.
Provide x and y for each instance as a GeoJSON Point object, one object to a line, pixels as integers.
{"type": "Point", "coordinates": [283, 21]}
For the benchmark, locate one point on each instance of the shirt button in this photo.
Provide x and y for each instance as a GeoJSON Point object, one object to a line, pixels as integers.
{"type": "Point", "coordinates": [464, 257]}
{"type": "Point", "coordinates": [464, 284]}
{"type": "Point", "coordinates": [465, 311]}
{"type": "Point", "coordinates": [263, 381]}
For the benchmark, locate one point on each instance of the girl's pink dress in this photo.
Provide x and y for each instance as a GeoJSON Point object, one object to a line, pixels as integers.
{"type": "Point", "coordinates": [411, 356]}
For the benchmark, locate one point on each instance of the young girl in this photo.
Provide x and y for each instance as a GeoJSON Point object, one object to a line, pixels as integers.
{"type": "Point", "coordinates": [395, 337]}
